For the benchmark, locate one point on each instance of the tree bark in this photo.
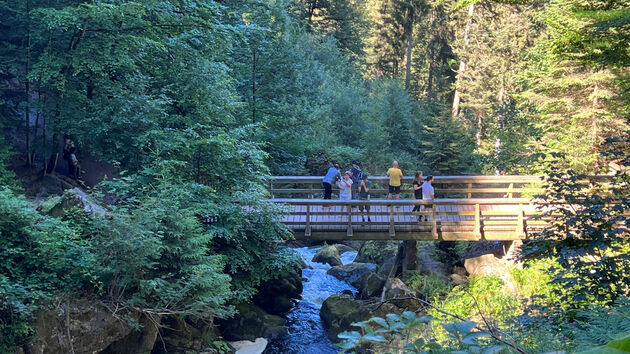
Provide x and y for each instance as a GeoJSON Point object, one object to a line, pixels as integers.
{"type": "Point", "coordinates": [409, 46]}
{"type": "Point", "coordinates": [27, 113]}
{"type": "Point", "coordinates": [462, 63]}
{"type": "Point", "coordinates": [410, 261]}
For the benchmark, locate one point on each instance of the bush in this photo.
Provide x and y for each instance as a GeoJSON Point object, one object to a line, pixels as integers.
{"type": "Point", "coordinates": [429, 286]}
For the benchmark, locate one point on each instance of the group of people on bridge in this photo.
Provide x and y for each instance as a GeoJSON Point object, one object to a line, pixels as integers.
{"type": "Point", "coordinates": [354, 185]}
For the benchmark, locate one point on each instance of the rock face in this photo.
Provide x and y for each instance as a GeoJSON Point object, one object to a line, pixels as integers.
{"type": "Point", "coordinates": [327, 255]}
{"type": "Point", "coordinates": [139, 341]}
{"type": "Point", "coordinates": [376, 252]}
{"type": "Point", "coordinates": [339, 311]}
{"type": "Point", "coordinates": [252, 322]}
{"type": "Point", "coordinates": [395, 288]}
{"type": "Point", "coordinates": [71, 198]}
{"type": "Point", "coordinates": [371, 285]}
{"type": "Point", "coordinates": [277, 296]}
{"type": "Point", "coordinates": [92, 329]}
{"type": "Point", "coordinates": [184, 336]}
{"type": "Point", "coordinates": [352, 272]}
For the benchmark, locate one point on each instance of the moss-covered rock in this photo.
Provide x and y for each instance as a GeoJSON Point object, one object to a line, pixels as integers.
{"type": "Point", "coordinates": [376, 252]}
{"type": "Point", "coordinates": [71, 198]}
{"type": "Point", "coordinates": [279, 294]}
{"type": "Point", "coordinates": [339, 311]}
{"type": "Point", "coordinates": [351, 273]}
{"type": "Point", "coordinates": [328, 255]}
{"type": "Point", "coordinates": [252, 322]}
{"type": "Point", "coordinates": [371, 285]}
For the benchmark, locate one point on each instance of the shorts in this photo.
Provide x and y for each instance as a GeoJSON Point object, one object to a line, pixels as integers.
{"type": "Point", "coordinates": [395, 190]}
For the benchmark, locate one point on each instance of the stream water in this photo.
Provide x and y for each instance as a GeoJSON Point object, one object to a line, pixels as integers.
{"type": "Point", "coordinates": [306, 334]}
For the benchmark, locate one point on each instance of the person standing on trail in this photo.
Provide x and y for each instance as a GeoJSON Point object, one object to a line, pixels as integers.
{"type": "Point", "coordinates": [67, 146]}
{"type": "Point", "coordinates": [364, 194]}
{"type": "Point", "coordinates": [356, 178]}
{"type": "Point", "coordinates": [345, 188]}
{"type": "Point", "coordinates": [417, 191]}
{"type": "Point", "coordinates": [331, 177]}
{"type": "Point", "coordinates": [395, 180]}
{"type": "Point", "coordinates": [428, 193]}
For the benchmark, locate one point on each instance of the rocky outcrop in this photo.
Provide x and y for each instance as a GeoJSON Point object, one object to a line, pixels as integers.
{"type": "Point", "coordinates": [184, 336]}
{"type": "Point", "coordinates": [396, 289]}
{"type": "Point", "coordinates": [376, 252]}
{"type": "Point", "coordinates": [489, 265]}
{"type": "Point", "coordinates": [339, 311]}
{"type": "Point", "coordinates": [371, 285]}
{"type": "Point", "coordinates": [82, 326]}
{"type": "Point", "coordinates": [341, 248]}
{"type": "Point", "coordinates": [252, 322]}
{"type": "Point", "coordinates": [327, 255]}
{"type": "Point", "coordinates": [277, 296]}
{"type": "Point", "coordinates": [351, 273]}
{"type": "Point", "coordinates": [140, 340]}
{"type": "Point", "coordinates": [71, 198]}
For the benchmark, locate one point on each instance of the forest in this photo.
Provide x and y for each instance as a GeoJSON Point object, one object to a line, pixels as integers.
{"type": "Point", "coordinates": [181, 110]}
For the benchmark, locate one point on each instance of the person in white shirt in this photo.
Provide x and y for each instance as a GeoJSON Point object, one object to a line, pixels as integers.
{"type": "Point", "coordinates": [428, 193]}
{"type": "Point", "coordinates": [345, 187]}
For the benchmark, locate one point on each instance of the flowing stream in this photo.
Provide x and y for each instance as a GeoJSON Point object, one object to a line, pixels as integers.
{"type": "Point", "coordinates": [306, 334]}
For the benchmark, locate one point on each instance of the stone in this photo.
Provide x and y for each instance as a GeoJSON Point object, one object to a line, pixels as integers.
{"type": "Point", "coordinates": [396, 289]}
{"type": "Point", "coordinates": [279, 294]}
{"type": "Point", "coordinates": [140, 341]}
{"type": "Point", "coordinates": [351, 273]}
{"type": "Point", "coordinates": [339, 311]}
{"type": "Point", "coordinates": [341, 248]}
{"type": "Point", "coordinates": [51, 185]}
{"type": "Point", "coordinates": [459, 271]}
{"type": "Point", "coordinates": [354, 244]}
{"type": "Point", "coordinates": [458, 279]}
{"type": "Point", "coordinates": [489, 265]}
{"type": "Point", "coordinates": [386, 267]}
{"type": "Point", "coordinates": [249, 347]}
{"type": "Point", "coordinates": [91, 326]}
{"type": "Point", "coordinates": [327, 255]}
{"type": "Point", "coordinates": [371, 285]}
{"type": "Point", "coordinates": [71, 198]}
{"type": "Point", "coordinates": [252, 322]}
{"type": "Point", "coordinates": [377, 252]}
{"type": "Point", "coordinates": [486, 264]}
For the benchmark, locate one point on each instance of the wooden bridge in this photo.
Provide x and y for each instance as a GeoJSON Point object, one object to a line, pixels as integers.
{"type": "Point", "coordinates": [465, 208]}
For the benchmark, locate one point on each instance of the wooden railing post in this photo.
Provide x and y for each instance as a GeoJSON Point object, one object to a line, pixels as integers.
{"type": "Point", "coordinates": [392, 226]}
{"type": "Point", "coordinates": [510, 190]}
{"type": "Point", "coordinates": [477, 221]}
{"type": "Point", "coordinates": [307, 228]}
{"type": "Point", "coordinates": [520, 225]}
{"type": "Point", "coordinates": [434, 232]}
{"type": "Point", "coordinates": [349, 232]}
{"type": "Point", "coordinates": [271, 188]}
{"type": "Point", "coordinates": [469, 190]}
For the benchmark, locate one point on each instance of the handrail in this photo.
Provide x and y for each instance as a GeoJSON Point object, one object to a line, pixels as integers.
{"type": "Point", "coordinates": [399, 202]}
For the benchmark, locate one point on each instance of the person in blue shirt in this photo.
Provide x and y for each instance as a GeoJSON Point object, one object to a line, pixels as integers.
{"type": "Point", "coordinates": [332, 176]}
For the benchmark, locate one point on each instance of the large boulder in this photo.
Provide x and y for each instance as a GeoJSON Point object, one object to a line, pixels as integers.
{"type": "Point", "coordinates": [252, 322]}
{"type": "Point", "coordinates": [396, 289]}
{"type": "Point", "coordinates": [83, 325]}
{"type": "Point", "coordinates": [352, 272]}
{"type": "Point", "coordinates": [141, 340]}
{"type": "Point", "coordinates": [279, 294]}
{"type": "Point", "coordinates": [71, 198]}
{"type": "Point", "coordinates": [327, 255]}
{"type": "Point", "coordinates": [386, 267]}
{"type": "Point", "coordinates": [371, 285]}
{"type": "Point", "coordinates": [184, 336]}
{"type": "Point", "coordinates": [489, 265]}
{"type": "Point", "coordinates": [341, 248]}
{"type": "Point", "coordinates": [376, 252]}
{"type": "Point", "coordinates": [339, 311]}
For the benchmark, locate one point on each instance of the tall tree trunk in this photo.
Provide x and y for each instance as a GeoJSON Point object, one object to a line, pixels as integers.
{"type": "Point", "coordinates": [462, 63]}
{"type": "Point", "coordinates": [27, 113]}
{"type": "Point", "coordinates": [409, 46]}
{"type": "Point", "coordinates": [431, 57]}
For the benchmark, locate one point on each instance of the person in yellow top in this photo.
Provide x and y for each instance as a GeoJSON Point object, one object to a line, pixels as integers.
{"type": "Point", "coordinates": [395, 179]}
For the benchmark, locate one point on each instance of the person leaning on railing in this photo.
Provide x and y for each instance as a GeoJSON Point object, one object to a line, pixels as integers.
{"type": "Point", "coordinates": [332, 176]}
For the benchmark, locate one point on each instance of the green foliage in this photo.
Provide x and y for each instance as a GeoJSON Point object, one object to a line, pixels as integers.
{"type": "Point", "coordinates": [42, 257]}
{"type": "Point", "coordinates": [429, 286]}
{"type": "Point", "coordinates": [410, 333]}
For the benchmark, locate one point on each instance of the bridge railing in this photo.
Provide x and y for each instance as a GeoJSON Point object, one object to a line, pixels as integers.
{"type": "Point", "coordinates": [446, 219]}
{"type": "Point", "coordinates": [310, 187]}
